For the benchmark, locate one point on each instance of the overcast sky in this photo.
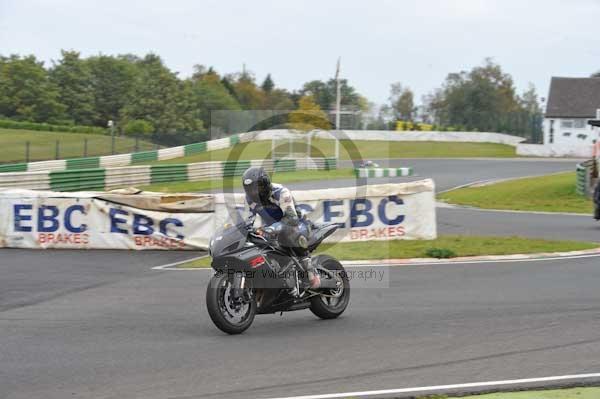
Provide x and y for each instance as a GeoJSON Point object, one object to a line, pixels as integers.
{"type": "Point", "coordinates": [416, 42]}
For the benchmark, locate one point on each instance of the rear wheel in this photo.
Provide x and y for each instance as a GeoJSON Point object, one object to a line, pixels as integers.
{"type": "Point", "coordinates": [331, 303]}
{"type": "Point", "coordinates": [230, 315]}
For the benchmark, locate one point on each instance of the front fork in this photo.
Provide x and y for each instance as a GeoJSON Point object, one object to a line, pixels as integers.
{"type": "Point", "coordinates": [239, 293]}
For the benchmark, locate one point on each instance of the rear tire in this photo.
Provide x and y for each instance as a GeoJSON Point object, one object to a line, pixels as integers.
{"type": "Point", "coordinates": [216, 297]}
{"type": "Point", "coordinates": [323, 306]}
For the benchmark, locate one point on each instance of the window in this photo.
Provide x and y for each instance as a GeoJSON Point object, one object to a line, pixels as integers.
{"type": "Point", "coordinates": [567, 134]}
{"type": "Point", "coordinates": [573, 123]}
{"type": "Point", "coordinates": [551, 135]}
{"type": "Point", "coordinates": [566, 123]}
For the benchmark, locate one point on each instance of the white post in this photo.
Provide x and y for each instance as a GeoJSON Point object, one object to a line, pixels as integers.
{"type": "Point", "coordinates": [309, 145]}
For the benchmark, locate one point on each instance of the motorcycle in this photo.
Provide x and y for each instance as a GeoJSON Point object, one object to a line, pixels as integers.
{"type": "Point", "coordinates": [254, 274]}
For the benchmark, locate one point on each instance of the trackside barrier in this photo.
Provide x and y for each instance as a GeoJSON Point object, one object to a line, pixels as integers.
{"type": "Point", "coordinates": [586, 177]}
{"type": "Point", "coordinates": [383, 172]}
{"type": "Point", "coordinates": [142, 175]}
{"type": "Point", "coordinates": [196, 148]}
{"type": "Point", "coordinates": [125, 220]}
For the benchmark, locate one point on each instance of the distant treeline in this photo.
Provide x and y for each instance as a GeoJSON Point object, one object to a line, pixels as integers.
{"type": "Point", "coordinates": [141, 95]}
{"type": "Point", "coordinates": [145, 98]}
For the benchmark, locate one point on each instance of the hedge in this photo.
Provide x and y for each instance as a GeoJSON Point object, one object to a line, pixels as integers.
{"type": "Point", "coordinates": [10, 124]}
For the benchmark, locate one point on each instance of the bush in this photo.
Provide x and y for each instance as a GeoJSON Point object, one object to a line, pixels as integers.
{"type": "Point", "coordinates": [440, 253]}
{"type": "Point", "coordinates": [138, 128]}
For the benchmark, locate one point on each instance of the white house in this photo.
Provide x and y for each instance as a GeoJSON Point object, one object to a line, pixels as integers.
{"type": "Point", "coordinates": [571, 103]}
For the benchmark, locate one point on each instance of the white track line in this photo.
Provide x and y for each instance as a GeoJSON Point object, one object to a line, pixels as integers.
{"type": "Point", "coordinates": [439, 388]}
{"type": "Point", "coordinates": [171, 266]}
{"type": "Point", "coordinates": [168, 266]}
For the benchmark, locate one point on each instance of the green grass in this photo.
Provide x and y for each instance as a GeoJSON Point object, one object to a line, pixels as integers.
{"type": "Point", "coordinates": [573, 393]}
{"type": "Point", "coordinates": [229, 182]}
{"type": "Point", "coordinates": [43, 145]}
{"type": "Point", "coordinates": [360, 149]}
{"type": "Point", "coordinates": [553, 193]}
{"type": "Point", "coordinates": [460, 245]}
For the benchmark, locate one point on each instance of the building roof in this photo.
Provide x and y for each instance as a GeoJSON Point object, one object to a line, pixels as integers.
{"type": "Point", "coordinates": [573, 98]}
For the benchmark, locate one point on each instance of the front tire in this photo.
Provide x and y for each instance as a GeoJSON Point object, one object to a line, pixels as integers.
{"type": "Point", "coordinates": [333, 302]}
{"type": "Point", "coordinates": [230, 318]}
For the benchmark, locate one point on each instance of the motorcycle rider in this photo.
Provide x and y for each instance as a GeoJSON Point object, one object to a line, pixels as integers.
{"type": "Point", "coordinates": [274, 203]}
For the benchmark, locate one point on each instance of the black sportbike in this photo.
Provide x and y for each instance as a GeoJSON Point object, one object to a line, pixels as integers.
{"type": "Point", "coordinates": [254, 274]}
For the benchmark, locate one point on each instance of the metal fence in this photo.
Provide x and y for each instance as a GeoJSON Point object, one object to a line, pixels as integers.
{"type": "Point", "coordinates": [30, 151]}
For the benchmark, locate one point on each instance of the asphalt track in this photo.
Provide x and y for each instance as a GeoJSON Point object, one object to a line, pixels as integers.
{"type": "Point", "coordinates": [102, 324]}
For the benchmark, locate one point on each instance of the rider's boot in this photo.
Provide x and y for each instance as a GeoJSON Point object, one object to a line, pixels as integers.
{"type": "Point", "coordinates": [314, 279]}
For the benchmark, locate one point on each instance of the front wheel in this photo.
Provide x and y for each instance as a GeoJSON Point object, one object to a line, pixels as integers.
{"type": "Point", "coordinates": [331, 303]}
{"type": "Point", "coordinates": [229, 314]}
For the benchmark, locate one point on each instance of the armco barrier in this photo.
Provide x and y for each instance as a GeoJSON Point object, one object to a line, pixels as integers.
{"type": "Point", "coordinates": [190, 149]}
{"type": "Point", "coordinates": [99, 179]}
{"type": "Point", "coordinates": [383, 172]}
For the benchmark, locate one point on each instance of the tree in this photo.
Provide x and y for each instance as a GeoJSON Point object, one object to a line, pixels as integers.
{"type": "Point", "coordinates": [402, 102]}
{"type": "Point", "coordinates": [112, 80]}
{"type": "Point", "coordinates": [483, 99]}
{"type": "Point", "coordinates": [26, 92]}
{"type": "Point", "coordinates": [279, 99]}
{"type": "Point", "coordinates": [533, 114]}
{"type": "Point", "coordinates": [73, 78]}
{"type": "Point", "coordinates": [163, 100]}
{"type": "Point", "coordinates": [268, 84]}
{"type": "Point", "coordinates": [250, 96]}
{"type": "Point", "coordinates": [209, 94]}
{"type": "Point", "coordinates": [308, 116]}
{"type": "Point", "coordinates": [324, 94]}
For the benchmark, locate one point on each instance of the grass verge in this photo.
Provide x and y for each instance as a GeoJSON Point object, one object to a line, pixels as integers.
{"type": "Point", "coordinates": [229, 182]}
{"type": "Point", "coordinates": [573, 393]}
{"type": "Point", "coordinates": [43, 145]}
{"type": "Point", "coordinates": [459, 245]}
{"type": "Point", "coordinates": [360, 149]}
{"type": "Point", "coordinates": [552, 193]}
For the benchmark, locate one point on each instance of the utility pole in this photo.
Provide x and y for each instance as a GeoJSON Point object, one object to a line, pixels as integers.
{"type": "Point", "coordinates": [338, 100]}
{"type": "Point", "coordinates": [337, 96]}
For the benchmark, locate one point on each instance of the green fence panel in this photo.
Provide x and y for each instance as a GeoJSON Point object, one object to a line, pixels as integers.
{"type": "Point", "coordinates": [168, 173]}
{"type": "Point", "coordinates": [145, 156]}
{"type": "Point", "coordinates": [330, 163]}
{"type": "Point", "coordinates": [15, 167]}
{"type": "Point", "coordinates": [581, 180]}
{"type": "Point", "coordinates": [75, 180]}
{"type": "Point", "coordinates": [194, 148]}
{"type": "Point", "coordinates": [234, 168]}
{"type": "Point", "coordinates": [83, 163]}
{"type": "Point", "coordinates": [285, 165]}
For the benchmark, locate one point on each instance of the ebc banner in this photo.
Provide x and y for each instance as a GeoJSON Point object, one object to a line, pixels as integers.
{"type": "Point", "coordinates": [40, 220]}
{"type": "Point", "coordinates": [404, 211]}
